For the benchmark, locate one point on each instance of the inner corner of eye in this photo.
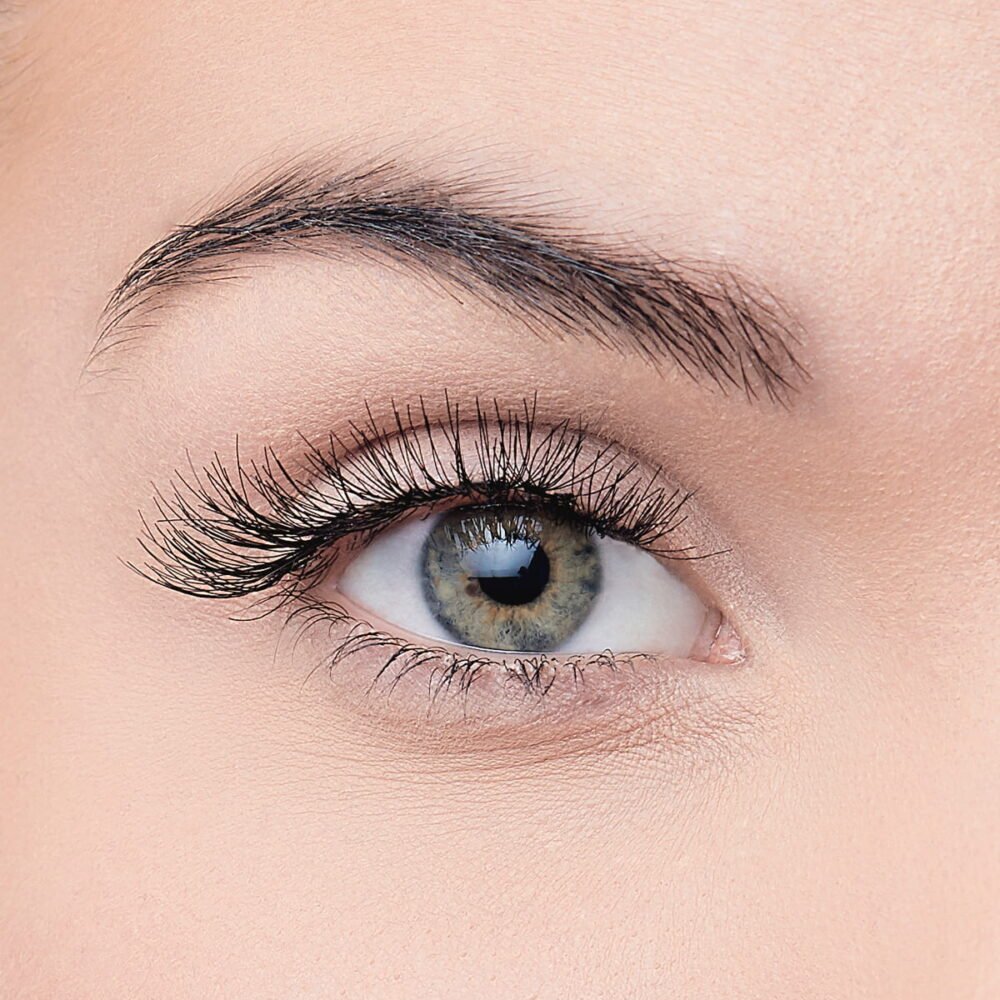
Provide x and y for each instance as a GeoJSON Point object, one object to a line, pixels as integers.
{"type": "Point", "coordinates": [513, 580]}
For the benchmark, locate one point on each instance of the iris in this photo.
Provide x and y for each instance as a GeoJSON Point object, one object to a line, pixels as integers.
{"type": "Point", "coordinates": [508, 578]}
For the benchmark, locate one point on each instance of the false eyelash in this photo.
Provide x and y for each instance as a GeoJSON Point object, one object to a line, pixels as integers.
{"type": "Point", "coordinates": [225, 535]}
{"type": "Point", "coordinates": [449, 671]}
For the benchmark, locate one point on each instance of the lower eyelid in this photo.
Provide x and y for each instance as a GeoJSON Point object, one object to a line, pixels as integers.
{"type": "Point", "coordinates": [400, 692]}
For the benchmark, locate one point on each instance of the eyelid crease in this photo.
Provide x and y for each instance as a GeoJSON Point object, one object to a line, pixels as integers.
{"type": "Point", "coordinates": [222, 536]}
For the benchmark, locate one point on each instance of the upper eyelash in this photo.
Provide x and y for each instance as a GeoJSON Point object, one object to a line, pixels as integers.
{"type": "Point", "coordinates": [221, 535]}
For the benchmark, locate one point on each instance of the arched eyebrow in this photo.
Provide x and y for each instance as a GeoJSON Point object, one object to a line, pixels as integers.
{"type": "Point", "coordinates": [529, 264]}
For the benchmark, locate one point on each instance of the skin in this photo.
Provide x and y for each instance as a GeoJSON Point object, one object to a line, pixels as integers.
{"type": "Point", "coordinates": [186, 815]}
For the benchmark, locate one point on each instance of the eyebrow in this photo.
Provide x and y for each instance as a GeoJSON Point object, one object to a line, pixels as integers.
{"type": "Point", "coordinates": [461, 231]}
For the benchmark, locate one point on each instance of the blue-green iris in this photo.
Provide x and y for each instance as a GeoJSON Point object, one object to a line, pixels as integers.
{"type": "Point", "coordinates": [508, 578]}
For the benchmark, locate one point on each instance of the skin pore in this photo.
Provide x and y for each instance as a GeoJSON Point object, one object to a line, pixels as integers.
{"type": "Point", "coordinates": [192, 808]}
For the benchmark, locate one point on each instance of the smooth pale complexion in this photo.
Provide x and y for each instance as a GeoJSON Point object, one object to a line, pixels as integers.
{"type": "Point", "coordinates": [183, 816]}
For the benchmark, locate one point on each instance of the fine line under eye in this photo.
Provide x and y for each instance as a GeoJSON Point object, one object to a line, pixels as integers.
{"type": "Point", "coordinates": [225, 532]}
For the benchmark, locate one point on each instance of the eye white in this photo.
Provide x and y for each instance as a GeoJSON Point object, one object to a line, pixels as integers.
{"type": "Point", "coordinates": [641, 608]}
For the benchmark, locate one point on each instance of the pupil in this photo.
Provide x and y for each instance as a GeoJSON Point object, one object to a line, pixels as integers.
{"type": "Point", "coordinates": [522, 581]}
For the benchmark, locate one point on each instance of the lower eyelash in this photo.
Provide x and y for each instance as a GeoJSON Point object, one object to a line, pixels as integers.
{"type": "Point", "coordinates": [448, 671]}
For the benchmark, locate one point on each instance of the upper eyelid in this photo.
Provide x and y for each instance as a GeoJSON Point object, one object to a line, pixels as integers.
{"type": "Point", "coordinates": [211, 521]}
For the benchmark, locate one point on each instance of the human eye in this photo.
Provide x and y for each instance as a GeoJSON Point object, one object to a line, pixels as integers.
{"type": "Point", "coordinates": [514, 578]}
{"type": "Point", "coordinates": [482, 553]}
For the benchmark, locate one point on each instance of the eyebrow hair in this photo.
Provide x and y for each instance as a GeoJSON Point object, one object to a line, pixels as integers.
{"type": "Point", "coordinates": [554, 277]}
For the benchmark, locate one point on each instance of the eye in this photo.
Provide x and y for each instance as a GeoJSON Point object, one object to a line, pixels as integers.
{"type": "Point", "coordinates": [510, 578]}
{"type": "Point", "coordinates": [551, 565]}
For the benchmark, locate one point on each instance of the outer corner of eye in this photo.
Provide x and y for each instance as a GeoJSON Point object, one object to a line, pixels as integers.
{"type": "Point", "coordinates": [517, 581]}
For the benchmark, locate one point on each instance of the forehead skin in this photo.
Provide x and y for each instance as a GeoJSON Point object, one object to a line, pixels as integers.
{"type": "Point", "coordinates": [161, 840]}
